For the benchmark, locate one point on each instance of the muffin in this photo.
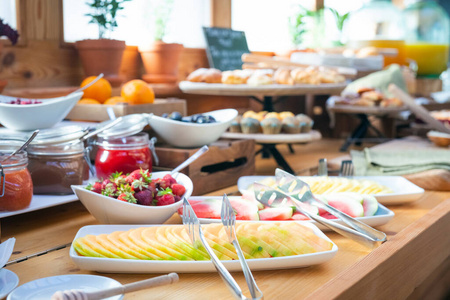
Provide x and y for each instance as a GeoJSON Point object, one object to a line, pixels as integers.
{"type": "Point", "coordinates": [285, 114]}
{"type": "Point", "coordinates": [250, 125]}
{"type": "Point", "coordinates": [254, 115]}
{"type": "Point", "coordinates": [235, 125]}
{"type": "Point", "coordinates": [272, 115]}
{"type": "Point", "coordinates": [306, 122]}
{"type": "Point", "coordinates": [271, 126]}
{"type": "Point", "coordinates": [291, 125]}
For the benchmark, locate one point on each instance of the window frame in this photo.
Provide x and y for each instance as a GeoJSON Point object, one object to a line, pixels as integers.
{"type": "Point", "coordinates": [21, 25]}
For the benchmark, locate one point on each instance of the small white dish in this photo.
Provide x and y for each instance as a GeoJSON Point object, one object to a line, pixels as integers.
{"type": "Point", "coordinates": [190, 135]}
{"type": "Point", "coordinates": [44, 288]}
{"type": "Point", "coordinates": [117, 265]}
{"type": "Point", "coordinates": [36, 116]}
{"type": "Point", "coordinates": [108, 210]}
{"type": "Point", "coordinates": [404, 191]}
{"type": "Point", "coordinates": [8, 281]}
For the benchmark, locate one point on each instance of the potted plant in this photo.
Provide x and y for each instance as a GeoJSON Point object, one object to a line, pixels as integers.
{"type": "Point", "coordinates": [12, 35]}
{"type": "Point", "coordinates": [103, 55]}
{"type": "Point", "coordinates": [161, 59]}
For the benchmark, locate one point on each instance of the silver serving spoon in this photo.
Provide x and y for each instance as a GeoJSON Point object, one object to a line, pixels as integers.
{"type": "Point", "coordinates": [23, 147]}
{"type": "Point", "coordinates": [188, 161]}
{"type": "Point", "coordinates": [88, 85]}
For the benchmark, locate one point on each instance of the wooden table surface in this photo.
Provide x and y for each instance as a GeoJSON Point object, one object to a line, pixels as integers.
{"type": "Point", "coordinates": [415, 261]}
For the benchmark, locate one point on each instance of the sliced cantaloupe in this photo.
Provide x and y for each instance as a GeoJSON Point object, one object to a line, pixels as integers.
{"type": "Point", "coordinates": [132, 249]}
{"type": "Point", "coordinates": [148, 234]}
{"type": "Point", "coordinates": [91, 241]}
{"type": "Point", "coordinates": [308, 234]}
{"type": "Point", "coordinates": [247, 245]}
{"type": "Point", "coordinates": [134, 235]}
{"type": "Point", "coordinates": [251, 232]}
{"type": "Point", "coordinates": [105, 243]}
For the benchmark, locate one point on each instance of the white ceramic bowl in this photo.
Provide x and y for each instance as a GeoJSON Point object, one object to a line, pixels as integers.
{"type": "Point", "coordinates": [189, 135]}
{"type": "Point", "coordinates": [108, 210]}
{"type": "Point", "coordinates": [36, 116]}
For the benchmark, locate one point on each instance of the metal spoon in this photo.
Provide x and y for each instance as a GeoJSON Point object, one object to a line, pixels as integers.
{"type": "Point", "coordinates": [24, 146]}
{"type": "Point", "coordinates": [190, 159]}
{"type": "Point", "coordinates": [89, 84]}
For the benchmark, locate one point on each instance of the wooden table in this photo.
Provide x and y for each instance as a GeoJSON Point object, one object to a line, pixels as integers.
{"type": "Point", "coordinates": [415, 261]}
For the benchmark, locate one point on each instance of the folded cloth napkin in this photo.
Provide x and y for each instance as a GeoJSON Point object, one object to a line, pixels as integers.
{"type": "Point", "coordinates": [372, 162]}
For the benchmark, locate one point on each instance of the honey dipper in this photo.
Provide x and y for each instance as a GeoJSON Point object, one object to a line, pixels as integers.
{"type": "Point", "coordinates": [131, 287]}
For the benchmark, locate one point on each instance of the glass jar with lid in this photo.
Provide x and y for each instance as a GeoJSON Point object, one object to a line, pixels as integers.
{"type": "Point", "coordinates": [16, 186]}
{"type": "Point", "coordinates": [124, 148]}
{"type": "Point", "coordinates": [380, 24]}
{"type": "Point", "coordinates": [427, 36]}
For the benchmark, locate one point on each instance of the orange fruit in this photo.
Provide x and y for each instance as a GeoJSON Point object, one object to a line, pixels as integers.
{"type": "Point", "coordinates": [100, 91]}
{"type": "Point", "coordinates": [137, 92]}
{"type": "Point", "coordinates": [88, 101]}
{"type": "Point", "coordinates": [115, 100]}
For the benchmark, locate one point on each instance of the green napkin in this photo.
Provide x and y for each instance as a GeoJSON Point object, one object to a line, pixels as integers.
{"type": "Point", "coordinates": [372, 162]}
{"type": "Point", "coordinates": [379, 80]}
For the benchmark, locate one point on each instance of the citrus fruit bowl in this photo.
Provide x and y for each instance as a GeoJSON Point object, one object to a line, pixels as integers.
{"type": "Point", "coordinates": [109, 210]}
{"type": "Point", "coordinates": [190, 135]}
{"type": "Point", "coordinates": [41, 115]}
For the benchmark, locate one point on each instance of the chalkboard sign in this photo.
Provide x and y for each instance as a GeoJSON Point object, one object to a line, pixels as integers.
{"type": "Point", "coordinates": [225, 47]}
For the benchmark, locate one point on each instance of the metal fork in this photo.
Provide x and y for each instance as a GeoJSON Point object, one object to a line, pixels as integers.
{"type": "Point", "coordinates": [229, 220]}
{"type": "Point", "coordinates": [346, 168]}
{"type": "Point", "coordinates": [194, 230]}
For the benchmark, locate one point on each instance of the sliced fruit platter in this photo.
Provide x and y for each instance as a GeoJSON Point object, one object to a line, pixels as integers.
{"type": "Point", "coordinates": [155, 249]}
{"type": "Point", "coordinates": [365, 209]}
{"type": "Point", "coordinates": [386, 189]}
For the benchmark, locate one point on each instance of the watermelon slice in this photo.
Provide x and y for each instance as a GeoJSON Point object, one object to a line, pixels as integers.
{"type": "Point", "coordinates": [208, 208]}
{"type": "Point", "coordinates": [370, 205]}
{"type": "Point", "coordinates": [276, 213]}
{"type": "Point", "coordinates": [244, 209]}
{"type": "Point", "coordinates": [299, 217]}
{"type": "Point", "coordinates": [346, 204]}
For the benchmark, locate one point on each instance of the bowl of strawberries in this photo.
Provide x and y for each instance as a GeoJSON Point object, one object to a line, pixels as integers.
{"type": "Point", "coordinates": [140, 197]}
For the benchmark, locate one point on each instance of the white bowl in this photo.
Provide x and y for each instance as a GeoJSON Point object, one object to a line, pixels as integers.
{"type": "Point", "coordinates": [36, 116]}
{"type": "Point", "coordinates": [189, 135]}
{"type": "Point", "coordinates": [108, 210]}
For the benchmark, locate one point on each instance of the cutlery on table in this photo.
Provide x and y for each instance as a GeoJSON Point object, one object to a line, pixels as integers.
{"type": "Point", "coordinates": [118, 290]}
{"type": "Point", "coordinates": [292, 191]}
{"type": "Point", "coordinates": [195, 232]}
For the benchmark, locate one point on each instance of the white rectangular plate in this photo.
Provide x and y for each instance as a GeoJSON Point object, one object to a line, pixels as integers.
{"type": "Point", "coordinates": [111, 265]}
{"type": "Point", "coordinates": [41, 202]}
{"type": "Point", "coordinates": [382, 216]}
{"type": "Point", "coordinates": [404, 190]}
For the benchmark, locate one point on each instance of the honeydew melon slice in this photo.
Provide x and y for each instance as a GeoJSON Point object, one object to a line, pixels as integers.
{"type": "Point", "coordinates": [276, 213]}
{"type": "Point", "coordinates": [165, 235]}
{"type": "Point", "coordinates": [370, 205]}
{"type": "Point", "coordinates": [115, 239]}
{"type": "Point", "coordinates": [103, 241]}
{"type": "Point", "coordinates": [283, 235]}
{"type": "Point", "coordinates": [269, 239]}
{"type": "Point", "coordinates": [91, 241]}
{"type": "Point", "coordinates": [308, 234]}
{"type": "Point", "coordinates": [247, 245]}
{"type": "Point", "coordinates": [135, 235]}
{"type": "Point", "coordinates": [149, 236]}
{"type": "Point", "coordinates": [213, 230]}
{"type": "Point", "coordinates": [250, 230]}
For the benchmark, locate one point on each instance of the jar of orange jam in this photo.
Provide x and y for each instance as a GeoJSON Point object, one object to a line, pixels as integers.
{"type": "Point", "coordinates": [16, 187]}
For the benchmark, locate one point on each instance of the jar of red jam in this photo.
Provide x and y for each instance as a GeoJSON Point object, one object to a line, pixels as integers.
{"type": "Point", "coordinates": [122, 154]}
{"type": "Point", "coordinates": [55, 167]}
{"type": "Point", "coordinates": [16, 187]}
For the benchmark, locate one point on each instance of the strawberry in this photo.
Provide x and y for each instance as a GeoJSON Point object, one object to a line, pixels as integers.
{"type": "Point", "coordinates": [96, 187]}
{"type": "Point", "coordinates": [178, 189]}
{"type": "Point", "coordinates": [144, 197]}
{"type": "Point", "coordinates": [176, 198]}
{"type": "Point", "coordinates": [169, 179]}
{"type": "Point", "coordinates": [105, 182]}
{"type": "Point", "coordinates": [110, 189]}
{"type": "Point", "coordinates": [127, 197]}
{"type": "Point", "coordinates": [139, 184]}
{"type": "Point", "coordinates": [138, 174]}
{"type": "Point", "coordinates": [118, 178]}
{"type": "Point", "coordinates": [165, 200]}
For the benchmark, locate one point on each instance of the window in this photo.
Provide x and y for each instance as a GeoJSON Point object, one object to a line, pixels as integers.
{"type": "Point", "coordinates": [136, 22]}
{"type": "Point", "coordinates": [266, 22]}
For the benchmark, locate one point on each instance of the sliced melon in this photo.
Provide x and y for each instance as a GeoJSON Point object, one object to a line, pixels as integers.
{"type": "Point", "coordinates": [370, 205]}
{"type": "Point", "coordinates": [103, 241]}
{"type": "Point", "coordinates": [250, 196]}
{"type": "Point", "coordinates": [251, 231]}
{"type": "Point", "coordinates": [115, 239]}
{"type": "Point", "coordinates": [80, 246]}
{"type": "Point", "coordinates": [247, 245]}
{"type": "Point", "coordinates": [208, 208]}
{"type": "Point", "coordinates": [184, 245]}
{"type": "Point", "coordinates": [244, 209]}
{"type": "Point", "coordinates": [346, 204]}
{"type": "Point", "coordinates": [308, 234]}
{"type": "Point", "coordinates": [159, 242]}
{"type": "Point", "coordinates": [135, 236]}
{"type": "Point", "coordinates": [91, 241]}
{"type": "Point", "coordinates": [276, 213]}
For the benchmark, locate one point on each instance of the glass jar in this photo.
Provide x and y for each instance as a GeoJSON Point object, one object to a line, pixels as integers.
{"type": "Point", "coordinates": [122, 154]}
{"type": "Point", "coordinates": [378, 23]}
{"type": "Point", "coordinates": [427, 36]}
{"type": "Point", "coordinates": [16, 187]}
{"type": "Point", "coordinates": [55, 167]}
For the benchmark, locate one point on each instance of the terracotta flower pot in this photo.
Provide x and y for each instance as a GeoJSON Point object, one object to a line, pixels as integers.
{"type": "Point", "coordinates": [161, 62]}
{"type": "Point", "coordinates": [102, 56]}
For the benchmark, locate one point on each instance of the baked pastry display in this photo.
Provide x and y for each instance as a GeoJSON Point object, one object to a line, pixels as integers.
{"type": "Point", "coordinates": [210, 75]}
{"type": "Point", "coordinates": [368, 97]}
{"type": "Point", "coordinates": [271, 123]}
{"type": "Point", "coordinates": [236, 76]}
{"type": "Point", "coordinates": [261, 77]}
